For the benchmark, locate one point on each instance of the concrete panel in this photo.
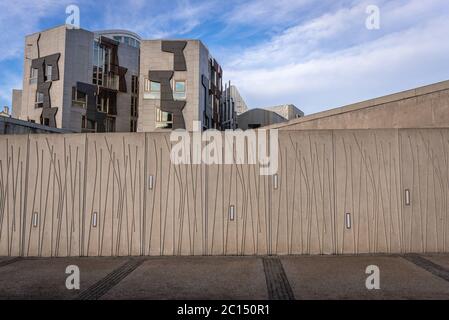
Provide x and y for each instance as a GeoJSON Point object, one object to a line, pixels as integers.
{"type": "Point", "coordinates": [425, 173]}
{"type": "Point", "coordinates": [120, 195]}
{"type": "Point", "coordinates": [367, 187]}
{"type": "Point", "coordinates": [344, 278]}
{"type": "Point", "coordinates": [38, 279]}
{"type": "Point", "coordinates": [425, 107]}
{"type": "Point", "coordinates": [190, 278]}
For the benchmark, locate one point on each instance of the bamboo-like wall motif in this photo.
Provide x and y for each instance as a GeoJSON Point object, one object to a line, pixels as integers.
{"type": "Point", "coordinates": [337, 192]}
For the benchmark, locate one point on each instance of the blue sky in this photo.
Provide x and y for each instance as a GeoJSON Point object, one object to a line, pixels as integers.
{"type": "Point", "coordinates": [317, 54]}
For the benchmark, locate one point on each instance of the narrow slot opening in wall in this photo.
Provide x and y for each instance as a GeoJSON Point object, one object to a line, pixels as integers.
{"type": "Point", "coordinates": [407, 197]}
{"type": "Point", "coordinates": [94, 220]}
{"type": "Point", "coordinates": [232, 213]}
{"type": "Point", "coordinates": [150, 182]}
{"type": "Point", "coordinates": [348, 221]}
{"type": "Point", "coordinates": [276, 181]}
{"type": "Point", "coordinates": [35, 219]}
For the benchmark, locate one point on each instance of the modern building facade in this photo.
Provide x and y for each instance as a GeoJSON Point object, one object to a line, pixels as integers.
{"type": "Point", "coordinates": [180, 83]}
{"type": "Point", "coordinates": [78, 80]}
{"type": "Point", "coordinates": [232, 106]}
{"type": "Point", "coordinates": [239, 102]}
{"type": "Point", "coordinates": [113, 81]}
{"type": "Point", "coordinates": [262, 117]}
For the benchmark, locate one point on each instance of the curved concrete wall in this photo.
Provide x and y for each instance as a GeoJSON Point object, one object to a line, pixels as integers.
{"type": "Point", "coordinates": [53, 188]}
{"type": "Point", "coordinates": [424, 107]}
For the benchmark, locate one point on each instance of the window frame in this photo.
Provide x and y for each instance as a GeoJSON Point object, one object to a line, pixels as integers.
{"type": "Point", "coordinates": [160, 122]}
{"type": "Point", "coordinates": [76, 102]}
{"type": "Point", "coordinates": [48, 75]}
{"type": "Point", "coordinates": [148, 92]}
{"type": "Point", "coordinates": [37, 102]}
{"type": "Point", "coordinates": [175, 92]}
{"type": "Point", "coordinates": [33, 78]}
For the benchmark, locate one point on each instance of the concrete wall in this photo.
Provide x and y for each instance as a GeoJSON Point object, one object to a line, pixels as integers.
{"type": "Point", "coordinates": [16, 103]}
{"type": "Point", "coordinates": [66, 179]}
{"type": "Point", "coordinates": [240, 104]}
{"type": "Point", "coordinates": [288, 111]}
{"type": "Point", "coordinates": [424, 107]}
{"type": "Point", "coordinates": [259, 117]}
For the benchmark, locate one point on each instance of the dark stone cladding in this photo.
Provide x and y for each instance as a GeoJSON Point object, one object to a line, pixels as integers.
{"type": "Point", "coordinates": [177, 48]}
{"type": "Point", "coordinates": [92, 113]}
{"type": "Point", "coordinates": [44, 85]}
{"type": "Point", "coordinates": [168, 104]}
{"type": "Point", "coordinates": [205, 83]}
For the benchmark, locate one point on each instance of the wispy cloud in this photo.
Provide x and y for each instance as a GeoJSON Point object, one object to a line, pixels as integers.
{"type": "Point", "coordinates": [18, 19]}
{"type": "Point", "coordinates": [333, 59]}
{"type": "Point", "coordinates": [316, 54]}
{"type": "Point", "coordinates": [156, 19]}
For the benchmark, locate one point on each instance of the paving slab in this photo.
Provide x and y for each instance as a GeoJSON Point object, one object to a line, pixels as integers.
{"type": "Point", "coordinates": [7, 260]}
{"type": "Point", "coordinates": [45, 278]}
{"type": "Point", "coordinates": [191, 278]}
{"type": "Point", "coordinates": [343, 277]}
{"type": "Point", "coordinates": [440, 259]}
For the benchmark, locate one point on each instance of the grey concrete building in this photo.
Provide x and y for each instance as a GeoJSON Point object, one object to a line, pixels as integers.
{"type": "Point", "coordinates": [102, 81]}
{"type": "Point", "coordinates": [262, 117]}
{"type": "Point", "coordinates": [180, 83]}
{"type": "Point", "coordinates": [79, 80]}
{"type": "Point", "coordinates": [232, 106]}
{"type": "Point", "coordinates": [239, 102]}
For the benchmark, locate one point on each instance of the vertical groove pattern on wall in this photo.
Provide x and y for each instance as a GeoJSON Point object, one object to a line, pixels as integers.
{"type": "Point", "coordinates": [90, 195]}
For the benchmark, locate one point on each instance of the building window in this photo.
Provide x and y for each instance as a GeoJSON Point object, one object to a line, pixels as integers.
{"type": "Point", "coordinates": [152, 90]}
{"type": "Point", "coordinates": [87, 125]}
{"type": "Point", "coordinates": [179, 92]}
{"type": "Point", "coordinates": [164, 119]}
{"type": "Point", "coordinates": [45, 121]}
{"type": "Point", "coordinates": [79, 99]}
{"type": "Point", "coordinates": [39, 103]}
{"type": "Point", "coordinates": [102, 74]}
{"type": "Point", "coordinates": [109, 124]}
{"type": "Point", "coordinates": [33, 75]}
{"type": "Point", "coordinates": [134, 105]}
{"type": "Point", "coordinates": [134, 85]}
{"type": "Point", "coordinates": [103, 104]}
{"type": "Point", "coordinates": [133, 125]}
{"type": "Point", "coordinates": [48, 72]}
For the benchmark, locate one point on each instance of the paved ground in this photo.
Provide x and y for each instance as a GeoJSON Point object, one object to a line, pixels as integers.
{"type": "Point", "coordinates": [304, 277]}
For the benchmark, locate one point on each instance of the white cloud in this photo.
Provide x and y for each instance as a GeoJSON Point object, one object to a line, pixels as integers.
{"type": "Point", "coordinates": [17, 19]}
{"type": "Point", "coordinates": [146, 19]}
{"type": "Point", "coordinates": [264, 12]}
{"type": "Point", "coordinates": [333, 60]}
